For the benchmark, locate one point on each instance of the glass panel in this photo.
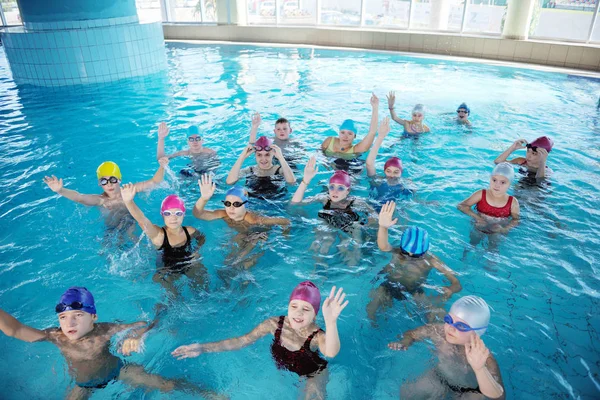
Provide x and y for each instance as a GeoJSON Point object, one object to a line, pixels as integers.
{"type": "Point", "coordinates": [148, 10]}
{"type": "Point", "coordinates": [485, 16]}
{"type": "Point", "coordinates": [210, 11]}
{"type": "Point", "coordinates": [562, 19]}
{"type": "Point", "coordinates": [393, 13]}
{"type": "Point", "coordinates": [261, 12]}
{"type": "Point", "coordinates": [437, 15]}
{"type": "Point", "coordinates": [185, 10]}
{"type": "Point", "coordinates": [340, 12]}
{"type": "Point", "coordinates": [298, 12]}
{"type": "Point", "coordinates": [11, 12]}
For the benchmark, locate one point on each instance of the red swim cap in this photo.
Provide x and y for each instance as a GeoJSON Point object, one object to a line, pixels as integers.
{"type": "Point", "coordinates": [307, 291]}
{"type": "Point", "coordinates": [544, 142]}
{"type": "Point", "coordinates": [393, 162]}
{"type": "Point", "coordinates": [341, 178]}
{"type": "Point", "coordinates": [263, 142]}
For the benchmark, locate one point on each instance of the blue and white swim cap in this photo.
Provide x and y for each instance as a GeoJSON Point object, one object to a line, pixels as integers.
{"type": "Point", "coordinates": [415, 241]}
{"type": "Point", "coordinates": [474, 311]}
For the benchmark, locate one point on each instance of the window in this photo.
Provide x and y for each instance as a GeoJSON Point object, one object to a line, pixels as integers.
{"type": "Point", "coordinates": [11, 12]}
{"type": "Point", "coordinates": [261, 12]}
{"type": "Point", "coordinates": [148, 10]}
{"type": "Point", "coordinates": [563, 19]}
{"type": "Point", "coordinates": [437, 15]}
{"type": "Point", "coordinates": [485, 16]}
{"type": "Point", "coordinates": [387, 13]}
{"type": "Point", "coordinates": [298, 12]}
{"type": "Point", "coordinates": [185, 10]}
{"type": "Point", "coordinates": [340, 12]}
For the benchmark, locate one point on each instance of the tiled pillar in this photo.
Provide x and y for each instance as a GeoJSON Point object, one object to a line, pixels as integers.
{"type": "Point", "coordinates": [70, 42]}
{"type": "Point", "coordinates": [518, 19]}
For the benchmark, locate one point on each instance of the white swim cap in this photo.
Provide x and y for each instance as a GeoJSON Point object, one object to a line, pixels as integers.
{"type": "Point", "coordinates": [474, 311]}
{"type": "Point", "coordinates": [504, 169]}
{"type": "Point", "coordinates": [419, 108]}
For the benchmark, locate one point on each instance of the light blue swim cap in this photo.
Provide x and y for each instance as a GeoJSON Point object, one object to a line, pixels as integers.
{"type": "Point", "coordinates": [419, 108]}
{"type": "Point", "coordinates": [238, 191]}
{"type": "Point", "coordinates": [464, 106]}
{"type": "Point", "coordinates": [504, 169]}
{"type": "Point", "coordinates": [474, 311]}
{"type": "Point", "coordinates": [415, 240]}
{"type": "Point", "coordinates": [193, 130]}
{"type": "Point", "coordinates": [349, 126]}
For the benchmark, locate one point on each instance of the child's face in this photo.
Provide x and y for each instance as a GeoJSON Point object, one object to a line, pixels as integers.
{"type": "Point", "coordinates": [195, 143]}
{"type": "Point", "coordinates": [499, 184]}
{"type": "Point", "coordinates": [462, 114]}
{"type": "Point", "coordinates": [393, 172]}
{"type": "Point", "coordinates": [282, 131]}
{"type": "Point", "coordinates": [233, 212]}
{"type": "Point", "coordinates": [110, 187]}
{"type": "Point", "coordinates": [301, 314]}
{"type": "Point", "coordinates": [172, 220]}
{"type": "Point", "coordinates": [264, 159]}
{"type": "Point", "coordinates": [417, 117]}
{"type": "Point", "coordinates": [338, 192]}
{"type": "Point", "coordinates": [346, 136]}
{"type": "Point", "coordinates": [532, 157]}
{"type": "Point", "coordinates": [453, 335]}
{"type": "Point", "coordinates": [75, 324]}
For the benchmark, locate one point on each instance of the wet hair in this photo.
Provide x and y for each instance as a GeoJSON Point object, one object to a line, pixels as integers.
{"type": "Point", "coordinates": [283, 121]}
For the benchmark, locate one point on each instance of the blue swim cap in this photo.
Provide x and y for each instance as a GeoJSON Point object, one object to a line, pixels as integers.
{"type": "Point", "coordinates": [415, 240]}
{"type": "Point", "coordinates": [464, 106]}
{"type": "Point", "coordinates": [80, 295]}
{"type": "Point", "coordinates": [348, 125]}
{"type": "Point", "coordinates": [193, 130]}
{"type": "Point", "coordinates": [238, 191]}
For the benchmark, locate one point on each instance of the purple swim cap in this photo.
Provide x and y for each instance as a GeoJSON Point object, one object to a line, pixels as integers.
{"type": "Point", "coordinates": [341, 178]}
{"type": "Point", "coordinates": [76, 294]}
{"type": "Point", "coordinates": [263, 142]}
{"type": "Point", "coordinates": [172, 201]}
{"type": "Point", "coordinates": [307, 291]}
{"type": "Point", "coordinates": [544, 142]}
{"type": "Point", "coordinates": [393, 162]}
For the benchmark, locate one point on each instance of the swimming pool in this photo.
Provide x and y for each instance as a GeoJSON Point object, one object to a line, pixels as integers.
{"type": "Point", "coordinates": [543, 284]}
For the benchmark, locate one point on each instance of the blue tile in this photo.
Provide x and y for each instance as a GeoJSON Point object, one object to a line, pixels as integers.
{"type": "Point", "coordinates": [94, 53]}
{"type": "Point", "coordinates": [62, 55]}
{"type": "Point", "coordinates": [86, 54]}
{"type": "Point", "coordinates": [91, 36]}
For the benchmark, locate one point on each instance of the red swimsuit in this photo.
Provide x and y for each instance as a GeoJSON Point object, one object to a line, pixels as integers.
{"type": "Point", "coordinates": [499, 212]}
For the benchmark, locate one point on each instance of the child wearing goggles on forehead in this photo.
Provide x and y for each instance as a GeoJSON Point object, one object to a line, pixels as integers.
{"type": "Point", "coordinates": [414, 126]}
{"type": "Point", "coordinates": [409, 268]}
{"type": "Point", "coordinates": [202, 158]}
{"type": "Point", "coordinates": [535, 158]}
{"type": "Point", "coordinates": [283, 128]}
{"type": "Point", "coordinates": [85, 344]}
{"type": "Point", "coordinates": [466, 368]}
{"type": "Point", "coordinates": [173, 240]}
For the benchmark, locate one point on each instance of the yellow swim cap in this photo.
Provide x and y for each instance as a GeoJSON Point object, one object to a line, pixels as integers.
{"type": "Point", "coordinates": [108, 168]}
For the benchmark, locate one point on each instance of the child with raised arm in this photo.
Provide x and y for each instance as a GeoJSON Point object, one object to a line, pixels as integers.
{"type": "Point", "coordinates": [202, 158]}
{"type": "Point", "coordinates": [411, 264]}
{"type": "Point", "coordinates": [173, 240]}
{"type": "Point", "coordinates": [465, 366]}
{"type": "Point", "coordinates": [414, 126]}
{"type": "Point", "coordinates": [85, 344]}
{"type": "Point", "coordinates": [535, 158]}
{"type": "Point", "coordinates": [297, 339]}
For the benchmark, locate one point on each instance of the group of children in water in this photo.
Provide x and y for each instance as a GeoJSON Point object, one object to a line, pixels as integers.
{"type": "Point", "coordinates": [465, 368]}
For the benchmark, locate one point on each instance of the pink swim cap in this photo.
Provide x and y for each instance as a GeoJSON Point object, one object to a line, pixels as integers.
{"type": "Point", "coordinates": [172, 201]}
{"type": "Point", "coordinates": [393, 162]}
{"type": "Point", "coordinates": [263, 142]}
{"type": "Point", "coordinates": [307, 291]}
{"type": "Point", "coordinates": [340, 177]}
{"type": "Point", "coordinates": [544, 142]}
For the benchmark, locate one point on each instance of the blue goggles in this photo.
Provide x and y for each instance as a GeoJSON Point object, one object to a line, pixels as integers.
{"type": "Point", "coordinates": [461, 326]}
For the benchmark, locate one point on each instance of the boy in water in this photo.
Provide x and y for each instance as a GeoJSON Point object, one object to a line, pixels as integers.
{"type": "Point", "coordinates": [409, 268]}
{"type": "Point", "coordinates": [463, 113]}
{"type": "Point", "coordinates": [466, 369]}
{"type": "Point", "coordinates": [86, 346]}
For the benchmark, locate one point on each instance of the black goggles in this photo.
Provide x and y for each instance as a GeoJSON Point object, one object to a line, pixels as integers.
{"type": "Point", "coordinates": [195, 139]}
{"type": "Point", "coordinates": [261, 148]}
{"type": "Point", "coordinates": [76, 305]}
{"type": "Point", "coordinates": [236, 204]}
{"type": "Point", "coordinates": [533, 148]}
{"type": "Point", "coordinates": [111, 179]}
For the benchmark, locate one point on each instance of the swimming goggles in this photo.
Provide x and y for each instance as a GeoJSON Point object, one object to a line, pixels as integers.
{"type": "Point", "coordinates": [462, 111]}
{"type": "Point", "coordinates": [417, 115]}
{"type": "Point", "coordinates": [195, 139]}
{"type": "Point", "coordinates": [339, 188]}
{"type": "Point", "coordinates": [76, 305]}
{"type": "Point", "coordinates": [533, 148]}
{"type": "Point", "coordinates": [168, 213]}
{"type": "Point", "coordinates": [461, 326]}
{"type": "Point", "coordinates": [261, 148]}
{"type": "Point", "coordinates": [236, 204]}
{"type": "Point", "coordinates": [411, 254]}
{"type": "Point", "coordinates": [111, 179]}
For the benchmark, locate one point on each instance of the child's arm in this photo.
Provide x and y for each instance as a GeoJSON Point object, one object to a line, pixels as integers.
{"type": "Point", "coordinates": [391, 98]}
{"type": "Point", "coordinates": [541, 172]}
{"type": "Point", "coordinates": [384, 129]}
{"type": "Point", "coordinates": [518, 144]}
{"type": "Point", "coordinates": [163, 132]}
{"type": "Point", "coordinates": [465, 206]}
{"type": "Point", "coordinates": [329, 343]}
{"type": "Point", "coordinates": [414, 335]}
{"type": "Point", "coordinates": [56, 185]}
{"type": "Point", "coordinates": [156, 179]}
{"type": "Point", "coordinates": [285, 168]}
{"type": "Point", "coordinates": [262, 220]}
{"type": "Point", "coordinates": [515, 216]}
{"type": "Point", "coordinates": [255, 125]}
{"type": "Point", "coordinates": [455, 285]}
{"type": "Point", "coordinates": [207, 189]}
{"type": "Point", "coordinates": [234, 174]}
{"type": "Point", "coordinates": [310, 170]}
{"type": "Point", "coordinates": [194, 350]}
{"type": "Point", "coordinates": [386, 220]}
{"type": "Point", "coordinates": [365, 144]}
{"type": "Point", "coordinates": [485, 367]}
{"type": "Point", "coordinates": [128, 193]}
{"type": "Point", "coordinates": [10, 326]}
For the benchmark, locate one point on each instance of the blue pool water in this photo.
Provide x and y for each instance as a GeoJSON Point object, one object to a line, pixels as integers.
{"type": "Point", "coordinates": [542, 283]}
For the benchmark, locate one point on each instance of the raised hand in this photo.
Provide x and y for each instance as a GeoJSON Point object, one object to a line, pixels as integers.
{"type": "Point", "coordinates": [384, 127]}
{"type": "Point", "coordinates": [310, 170]}
{"type": "Point", "coordinates": [54, 183]}
{"type": "Point", "coordinates": [189, 351]}
{"type": "Point", "coordinates": [477, 353]}
{"type": "Point", "coordinates": [397, 346]}
{"type": "Point", "coordinates": [386, 215]}
{"type": "Point", "coordinates": [334, 304]}
{"type": "Point", "coordinates": [128, 192]}
{"type": "Point", "coordinates": [163, 162]}
{"type": "Point", "coordinates": [374, 100]}
{"type": "Point", "coordinates": [519, 144]}
{"type": "Point", "coordinates": [256, 120]}
{"type": "Point", "coordinates": [207, 187]}
{"type": "Point", "coordinates": [163, 130]}
{"type": "Point", "coordinates": [391, 98]}
{"type": "Point", "coordinates": [277, 150]}
{"type": "Point", "coordinates": [248, 151]}
{"type": "Point", "coordinates": [131, 345]}
{"type": "Point", "coordinates": [543, 153]}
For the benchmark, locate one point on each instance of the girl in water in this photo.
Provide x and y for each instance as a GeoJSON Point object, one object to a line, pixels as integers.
{"type": "Point", "coordinates": [173, 240]}
{"type": "Point", "coordinates": [297, 339]}
{"type": "Point", "coordinates": [535, 158]}
{"type": "Point", "coordinates": [414, 126]}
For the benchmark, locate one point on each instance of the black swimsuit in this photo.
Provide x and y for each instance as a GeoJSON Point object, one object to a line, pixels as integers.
{"type": "Point", "coordinates": [266, 187]}
{"type": "Point", "coordinates": [304, 362]}
{"type": "Point", "coordinates": [176, 259]}
{"type": "Point", "coordinates": [342, 218]}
